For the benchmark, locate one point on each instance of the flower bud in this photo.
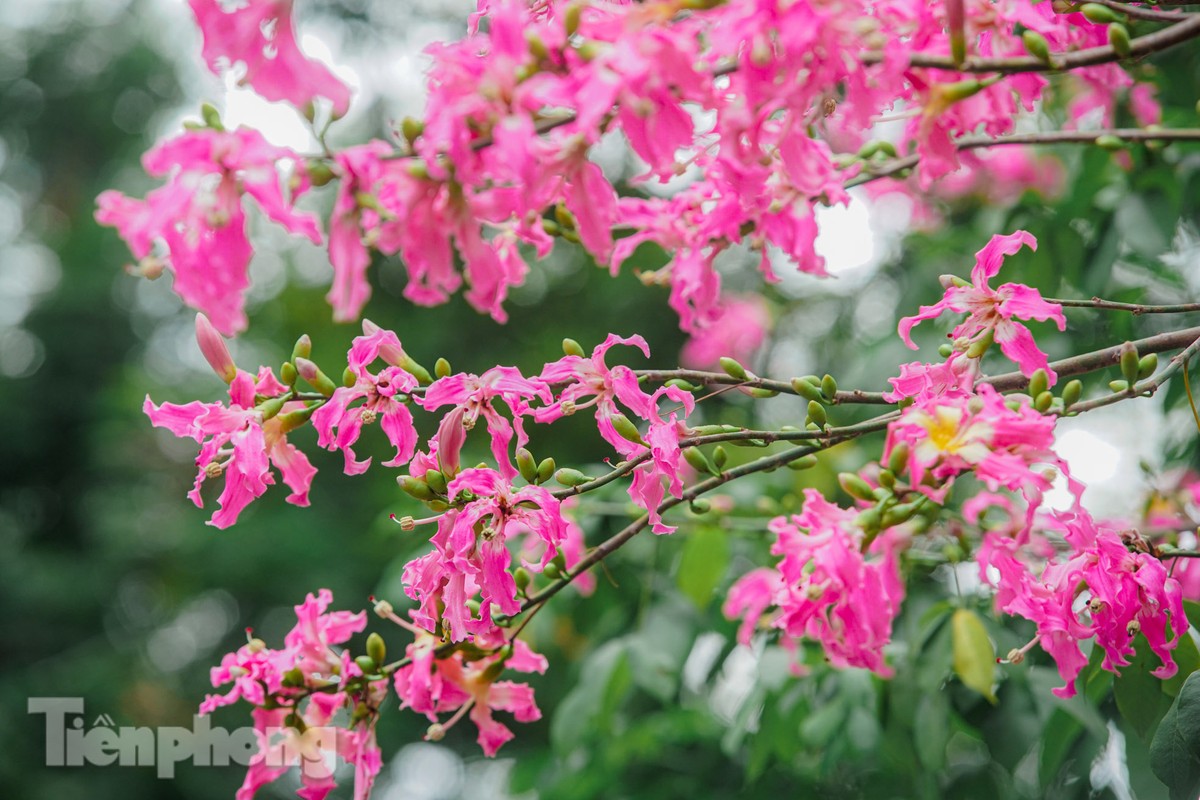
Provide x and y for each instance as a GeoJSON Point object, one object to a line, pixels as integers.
{"type": "Point", "coordinates": [319, 172]}
{"type": "Point", "coordinates": [1036, 45]}
{"type": "Point", "coordinates": [526, 465]}
{"type": "Point", "coordinates": [1043, 401]}
{"type": "Point", "coordinates": [1147, 365]}
{"type": "Point", "coordinates": [856, 487]}
{"type": "Point", "coordinates": [898, 459]}
{"type": "Point", "coordinates": [1129, 362]}
{"type": "Point", "coordinates": [980, 346]}
{"type": "Point", "coordinates": [698, 461]}
{"type": "Point", "coordinates": [700, 506]}
{"type": "Point", "coordinates": [211, 117]}
{"type": "Point", "coordinates": [441, 368]}
{"type": "Point", "coordinates": [1118, 386]}
{"type": "Point", "coordinates": [545, 470]}
{"type": "Point", "coordinates": [733, 369]}
{"type": "Point", "coordinates": [314, 377]}
{"type": "Point", "coordinates": [1039, 382]}
{"type": "Point", "coordinates": [945, 350]}
{"type": "Point", "coordinates": [1099, 14]}
{"type": "Point", "coordinates": [376, 649]}
{"type": "Point", "coordinates": [367, 664]}
{"type": "Point", "coordinates": [625, 427]}
{"type": "Point", "coordinates": [415, 488]}
{"type": "Point", "coordinates": [435, 733]}
{"type": "Point", "coordinates": [1118, 37]}
{"type": "Point", "coordinates": [570, 477]}
{"type": "Point", "coordinates": [293, 678]}
{"type": "Point", "coordinates": [349, 379]}
{"type": "Point", "coordinates": [572, 18]}
{"type": "Point", "coordinates": [816, 413]}
{"type": "Point", "coordinates": [215, 352]}
{"type": "Point", "coordinates": [803, 462]}
{"type": "Point", "coordinates": [807, 390]}
{"type": "Point", "coordinates": [1071, 393]}
{"type": "Point", "coordinates": [302, 348]}
{"type": "Point", "coordinates": [828, 387]}
{"type": "Point", "coordinates": [288, 374]}
{"type": "Point", "coordinates": [719, 457]}
{"type": "Point", "coordinates": [411, 128]}
{"type": "Point", "coordinates": [436, 480]}
{"type": "Point", "coordinates": [522, 578]}
{"type": "Point", "coordinates": [680, 383]}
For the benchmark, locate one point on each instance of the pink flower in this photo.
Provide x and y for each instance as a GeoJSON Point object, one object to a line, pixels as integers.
{"type": "Point", "coordinates": [473, 541]}
{"type": "Point", "coordinates": [825, 587]}
{"type": "Point", "coordinates": [259, 35]}
{"type": "Point", "coordinates": [992, 311]}
{"type": "Point", "coordinates": [237, 443]}
{"type": "Point", "coordinates": [953, 378]}
{"type": "Point", "coordinates": [476, 395]}
{"type": "Point", "coordinates": [338, 425]}
{"type": "Point", "coordinates": [467, 686]}
{"type": "Point", "coordinates": [195, 224]}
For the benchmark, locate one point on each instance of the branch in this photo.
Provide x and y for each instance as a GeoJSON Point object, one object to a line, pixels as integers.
{"type": "Point", "coordinates": [1137, 309]}
{"type": "Point", "coordinates": [1147, 387]}
{"type": "Point", "coordinates": [1141, 12]}
{"type": "Point", "coordinates": [1098, 359]}
{"type": "Point", "coordinates": [890, 168]}
{"type": "Point", "coordinates": [1155, 42]}
{"type": "Point", "coordinates": [784, 387]}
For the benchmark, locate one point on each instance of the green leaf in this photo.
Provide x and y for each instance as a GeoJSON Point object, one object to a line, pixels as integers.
{"type": "Point", "coordinates": [1139, 695]}
{"type": "Point", "coordinates": [1059, 736]}
{"type": "Point", "coordinates": [974, 658]}
{"type": "Point", "coordinates": [705, 557]}
{"type": "Point", "coordinates": [587, 710]}
{"type": "Point", "coordinates": [1176, 746]}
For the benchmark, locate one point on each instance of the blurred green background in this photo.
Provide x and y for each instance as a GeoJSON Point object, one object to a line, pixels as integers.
{"type": "Point", "coordinates": [113, 589]}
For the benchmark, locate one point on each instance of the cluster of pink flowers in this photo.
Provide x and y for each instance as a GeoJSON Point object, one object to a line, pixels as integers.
{"type": "Point", "coordinates": [831, 586]}
{"type": "Point", "coordinates": [753, 103]}
{"type": "Point", "coordinates": [297, 691]}
{"type": "Point", "coordinates": [1106, 587]}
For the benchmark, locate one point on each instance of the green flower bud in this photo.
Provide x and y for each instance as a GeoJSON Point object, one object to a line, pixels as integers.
{"type": "Point", "coordinates": [698, 460]}
{"type": "Point", "coordinates": [411, 129]}
{"type": "Point", "coordinates": [1118, 37]}
{"type": "Point", "coordinates": [1099, 14]}
{"type": "Point", "coordinates": [898, 460]}
{"type": "Point", "coordinates": [761, 393]}
{"type": "Point", "coordinates": [366, 664]}
{"type": "Point", "coordinates": [1146, 366]}
{"type": "Point", "coordinates": [803, 462]}
{"type": "Point", "coordinates": [526, 465]}
{"type": "Point", "coordinates": [816, 413]}
{"type": "Point", "coordinates": [680, 383]}
{"type": "Point", "coordinates": [409, 365]}
{"type": "Point", "coordinates": [807, 390]}
{"type": "Point", "coordinates": [980, 346]}
{"type": "Point", "coordinates": [700, 506]}
{"type": "Point", "coordinates": [288, 374]}
{"type": "Point", "coordinates": [1118, 386]}
{"type": "Point", "coordinates": [625, 427]}
{"type": "Point", "coordinates": [436, 480]}
{"type": "Point", "coordinates": [552, 571]}
{"type": "Point", "coordinates": [319, 173]}
{"type": "Point", "coordinates": [1036, 45]}
{"type": "Point", "coordinates": [1071, 393]}
{"type": "Point", "coordinates": [349, 378]}
{"type": "Point", "coordinates": [719, 457]}
{"type": "Point", "coordinates": [572, 348]}
{"type": "Point", "coordinates": [733, 369]}
{"type": "Point", "coordinates": [1038, 382]}
{"type": "Point", "coordinates": [211, 117]}
{"type": "Point", "coordinates": [1129, 362]}
{"type": "Point", "coordinates": [269, 408]}
{"type": "Point", "coordinates": [570, 477]}
{"type": "Point", "coordinates": [572, 17]}
{"type": "Point", "coordinates": [302, 348]}
{"type": "Point", "coordinates": [441, 368]}
{"type": "Point", "coordinates": [887, 478]}
{"type": "Point", "coordinates": [1109, 142]}
{"type": "Point", "coordinates": [945, 350]}
{"type": "Point", "coordinates": [522, 578]}
{"type": "Point", "coordinates": [314, 377]}
{"type": "Point", "coordinates": [545, 470]}
{"type": "Point", "coordinates": [294, 677]}
{"type": "Point", "coordinates": [828, 387]}
{"type": "Point", "coordinates": [855, 486]}
{"type": "Point", "coordinates": [376, 649]}
{"type": "Point", "coordinates": [415, 488]}
{"type": "Point", "coordinates": [1043, 401]}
